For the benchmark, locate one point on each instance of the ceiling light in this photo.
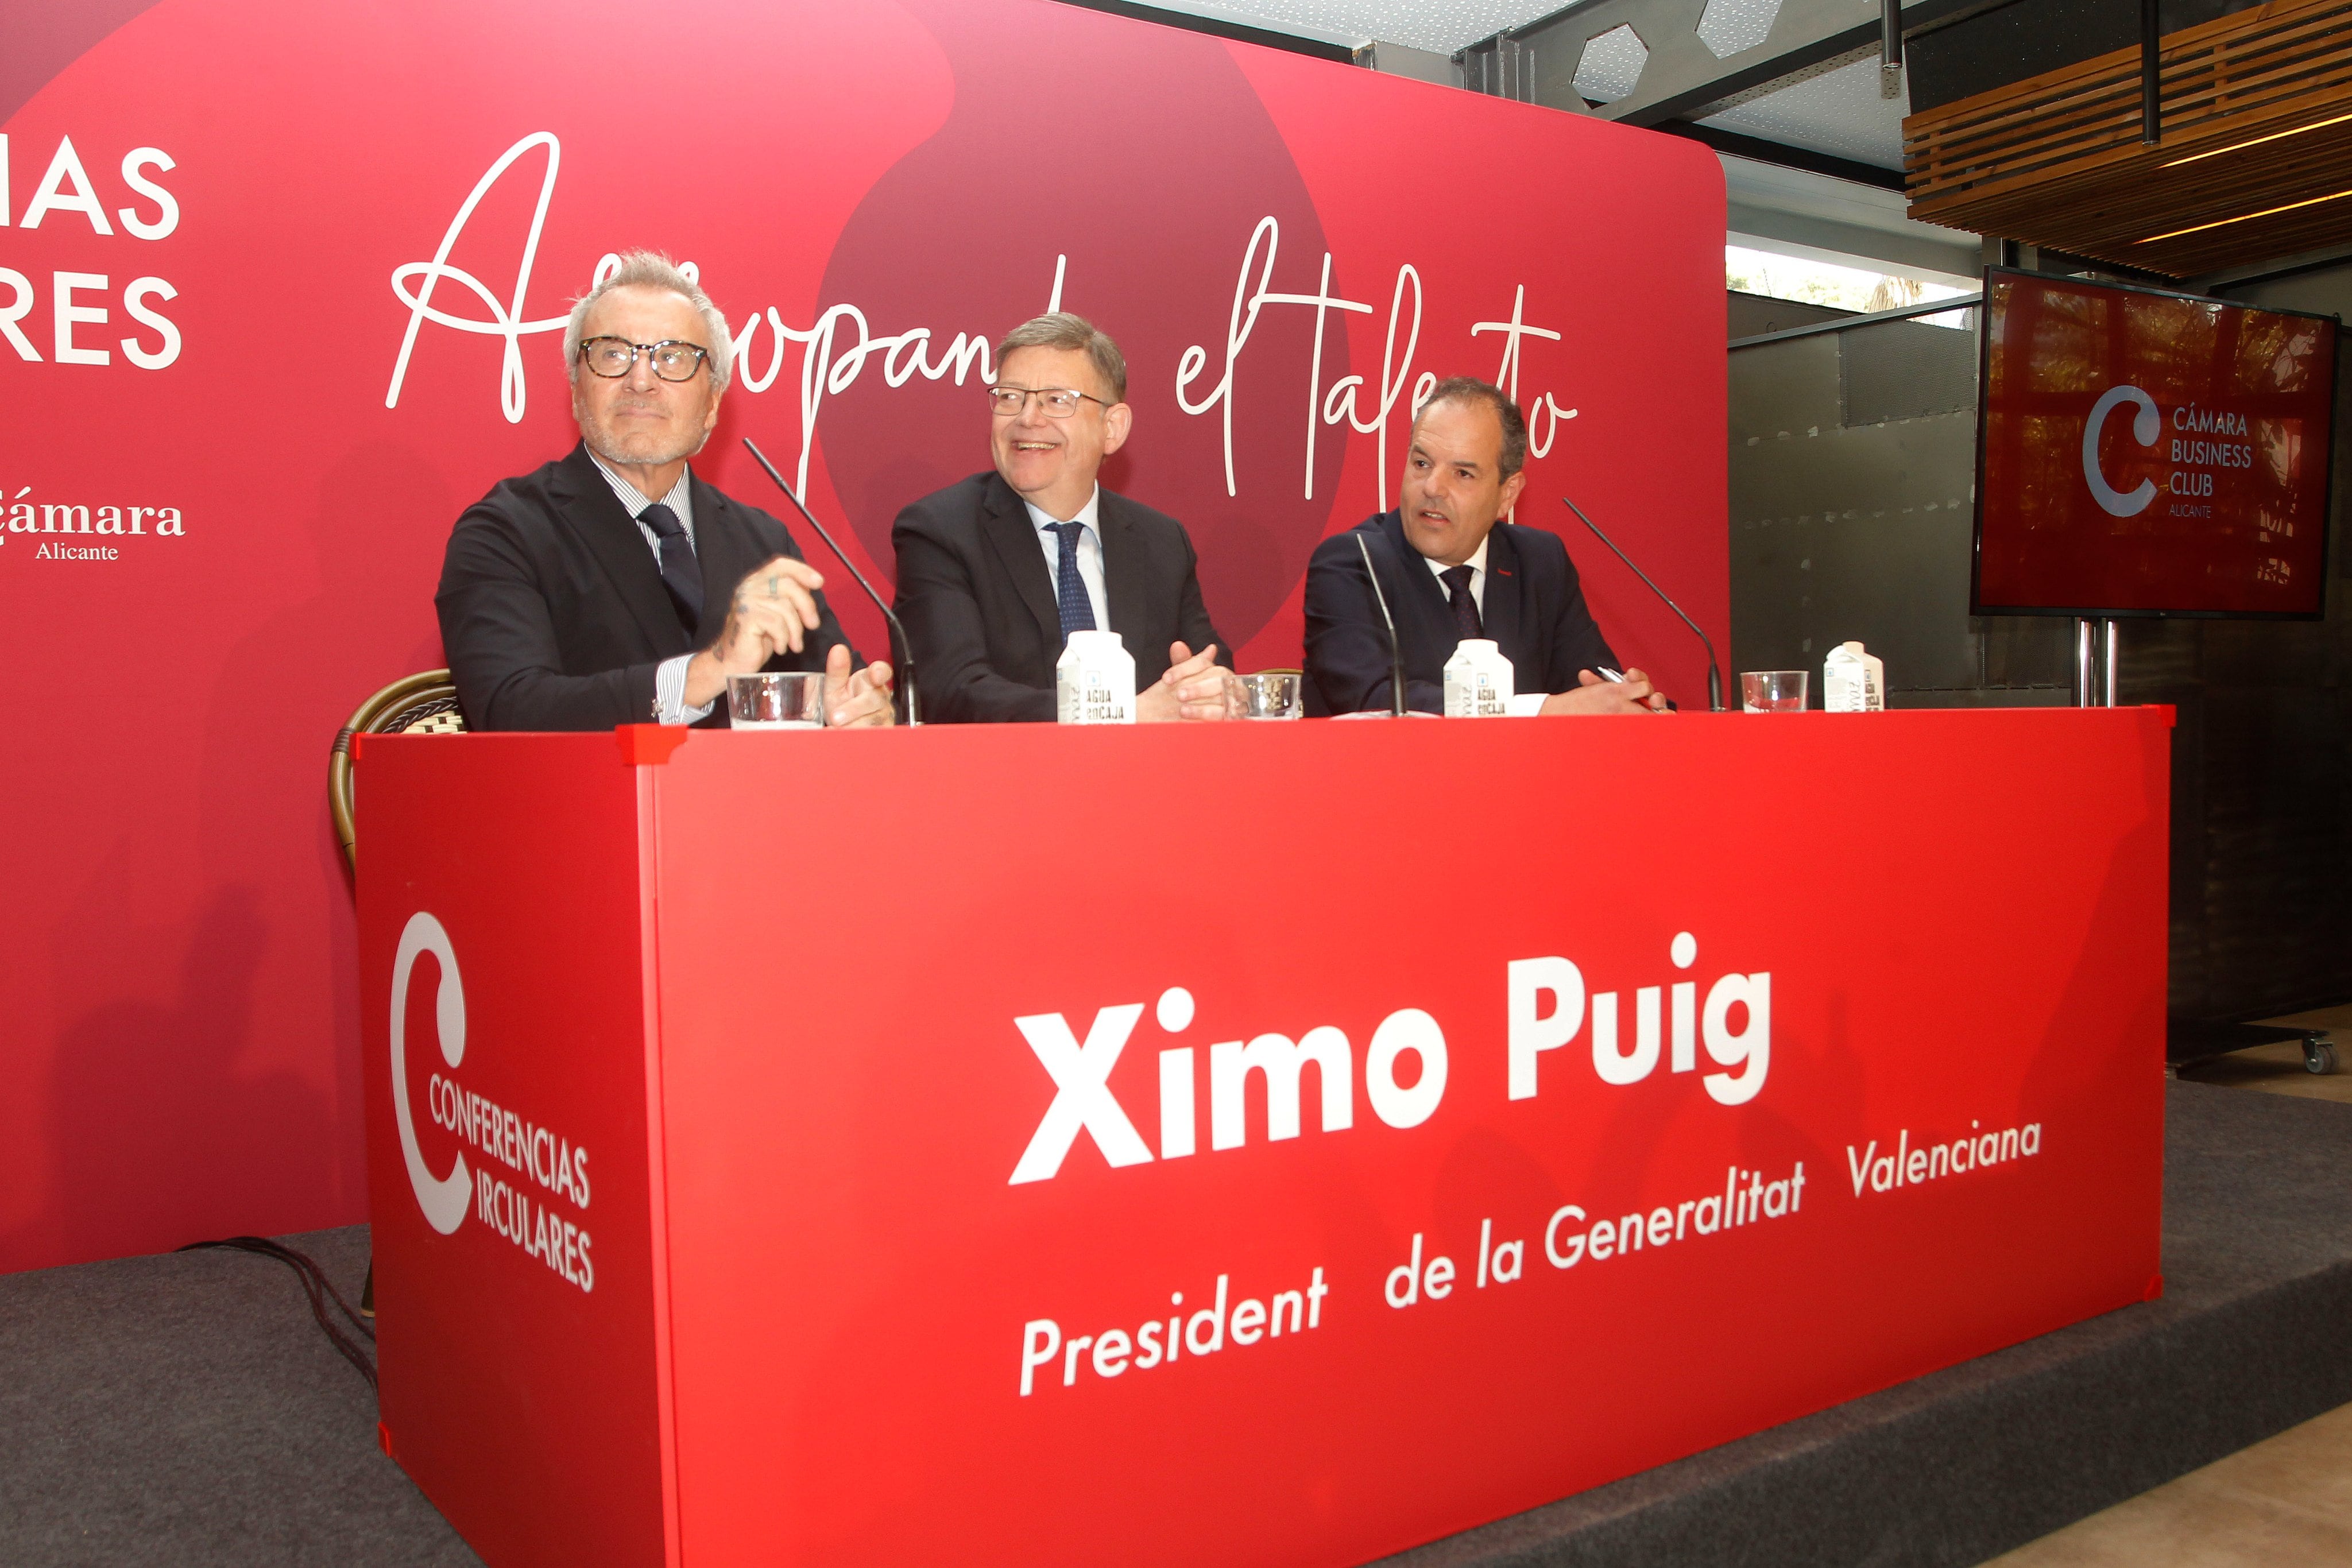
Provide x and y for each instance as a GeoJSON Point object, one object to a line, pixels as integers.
{"type": "Point", "coordinates": [2257, 141]}
{"type": "Point", "coordinates": [2247, 217]}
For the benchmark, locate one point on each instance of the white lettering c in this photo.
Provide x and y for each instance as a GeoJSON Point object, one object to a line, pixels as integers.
{"type": "Point", "coordinates": [444, 1199]}
{"type": "Point", "coordinates": [2146, 427]}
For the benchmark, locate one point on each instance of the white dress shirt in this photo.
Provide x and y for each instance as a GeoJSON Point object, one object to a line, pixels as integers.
{"type": "Point", "coordinates": [1523, 704]}
{"type": "Point", "coordinates": [669, 675]}
{"type": "Point", "coordinates": [1091, 568]}
{"type": "Point", "coordinates": [1477, 565]}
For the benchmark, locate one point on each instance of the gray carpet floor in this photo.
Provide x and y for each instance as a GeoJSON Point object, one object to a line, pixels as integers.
{"type": "Point", "coordinates": [185, 1410]}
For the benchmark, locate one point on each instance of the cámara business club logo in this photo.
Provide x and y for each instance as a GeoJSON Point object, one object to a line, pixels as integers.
{"type": "Point", "coordinates": [2194, 458]}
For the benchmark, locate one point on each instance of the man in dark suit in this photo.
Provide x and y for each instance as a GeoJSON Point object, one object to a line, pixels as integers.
{"type": "Point", "coordinates": [613, 586]}
{"type": "Point", "coordinates": [1451, 571]}
{"type": "Point", "coordinates": [997, 570]}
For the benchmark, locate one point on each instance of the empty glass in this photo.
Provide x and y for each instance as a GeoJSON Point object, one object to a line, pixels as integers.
{"type": "Point", "coordinates": [781, 700]}
{"type": "Point", "coordinates": [1772, 691]}
{"type": "Point", "coordinates": [1273, 695]}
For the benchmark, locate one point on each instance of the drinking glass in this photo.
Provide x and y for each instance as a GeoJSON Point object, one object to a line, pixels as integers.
{"type": "Point", "coordinates": [788, 699]}
{"type": "Point", "coordinates": [1772, 691]}
{"type": "Point", "coordinates": [1272, 695]}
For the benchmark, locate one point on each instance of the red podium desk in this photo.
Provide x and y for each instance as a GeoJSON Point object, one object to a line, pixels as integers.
{"type": "Point", "coordinates": [1271, 1145]}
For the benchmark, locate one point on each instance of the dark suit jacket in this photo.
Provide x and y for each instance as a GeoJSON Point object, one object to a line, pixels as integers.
{"type": "Point", "coordinates": [552, 611]}
{"type": "Point", "coordinates": [978, 601]}
{"type": "Point", "coordinates": [1534, 613]}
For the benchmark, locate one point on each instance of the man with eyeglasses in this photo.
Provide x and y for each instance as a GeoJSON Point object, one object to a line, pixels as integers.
{"type": "Point", "coordinates": [614, 586]}
{"type": "Point", "coordinates": [997, 570]}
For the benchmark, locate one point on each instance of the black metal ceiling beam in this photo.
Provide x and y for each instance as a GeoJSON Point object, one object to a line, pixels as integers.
{"type": "Point", "coordinates": [1864, 36]}
{"type": "Point", "coordinates": [1761, 150]}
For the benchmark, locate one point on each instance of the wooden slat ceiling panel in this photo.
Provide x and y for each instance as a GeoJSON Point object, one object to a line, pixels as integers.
{"type": "Point", "coordinates": [2056, 160]}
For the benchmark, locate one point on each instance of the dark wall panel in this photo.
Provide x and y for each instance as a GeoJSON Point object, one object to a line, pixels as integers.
{"type": "Point", "coordinates": [1851, 477]}
{"type": "Point", "coordinates": [2262, 923]}
{"type": "Point", "coordinates": [1750, 315]}
{"type": "Point", "coordinates": [1852, 463]}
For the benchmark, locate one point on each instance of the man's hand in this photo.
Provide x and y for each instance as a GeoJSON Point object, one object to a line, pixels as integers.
{"type": "Point", "coordinates": [774, 612]}
{"type": "Point", "coordinates": [1194, 688]}
{"type": "Point", "coordinates": [859, 697]}
{"type": "Point", "coordinates": [1594, 695]}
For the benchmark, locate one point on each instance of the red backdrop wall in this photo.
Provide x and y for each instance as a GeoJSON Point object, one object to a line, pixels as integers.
{"type": "Point", "coordinates": [259, 351]}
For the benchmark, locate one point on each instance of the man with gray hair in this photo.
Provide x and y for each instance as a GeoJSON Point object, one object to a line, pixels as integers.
{"type": "Point", "coordinates": [997, 570]}
{"type": "Point", "coordinates": [614, 586]}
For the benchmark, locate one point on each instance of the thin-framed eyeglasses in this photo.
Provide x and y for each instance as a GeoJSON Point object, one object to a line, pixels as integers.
{"type": "Point", "coordinates": [1059, 402]}
{"type": "Point", "coordinates": [672, 359]}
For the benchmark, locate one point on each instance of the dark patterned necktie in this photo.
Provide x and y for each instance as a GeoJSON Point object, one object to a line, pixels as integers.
{"type": "Point", "coordinates": [1465, 609]}
{"type": "Point", "coordinates": [1077, 610]}
{"type": "Point", "coordinates": [681, 574]}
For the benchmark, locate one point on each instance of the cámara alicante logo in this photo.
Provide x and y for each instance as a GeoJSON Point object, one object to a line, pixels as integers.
{"type": "Point", "coordinates": [72, 531]}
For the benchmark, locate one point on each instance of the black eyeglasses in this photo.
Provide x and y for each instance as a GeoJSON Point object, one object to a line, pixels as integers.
{"type": "Point", "coordinates": [1058, 401]}
{"type": "Point", "coordinates": [672, 360]}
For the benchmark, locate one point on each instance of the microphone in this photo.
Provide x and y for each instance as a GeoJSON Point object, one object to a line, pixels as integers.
{"type": "Point", "coordinates": [1396, 652]}
{"type": "Point", "coordinates": [904, 649]}
{"type": "Point", "coordinates": [1714, 675]}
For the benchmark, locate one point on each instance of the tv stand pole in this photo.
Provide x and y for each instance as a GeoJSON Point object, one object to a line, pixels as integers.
{"type": "Point", "coordinates": [2094, 662]}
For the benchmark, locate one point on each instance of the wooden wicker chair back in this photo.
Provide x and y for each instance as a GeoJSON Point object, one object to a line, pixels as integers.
{"type": "Point", "coordinates": [422, 704]}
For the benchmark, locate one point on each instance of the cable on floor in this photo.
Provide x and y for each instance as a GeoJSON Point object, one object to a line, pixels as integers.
{"type": "Point", "coordinates": [317, 1286]}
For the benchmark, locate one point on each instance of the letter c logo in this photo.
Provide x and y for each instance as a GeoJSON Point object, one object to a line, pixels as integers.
{"type": "Point", "coordinates": [443, 1199]}
{"type": "Point", "coordinates": [2146, 428]}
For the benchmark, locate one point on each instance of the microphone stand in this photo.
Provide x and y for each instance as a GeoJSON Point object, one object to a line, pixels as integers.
{"type": "Point", "coordinates": [1714, 675]}
{"type": "Point", "coordinates": [1396, 651]}
{"type": "Point", "coordinates": [904, 649]}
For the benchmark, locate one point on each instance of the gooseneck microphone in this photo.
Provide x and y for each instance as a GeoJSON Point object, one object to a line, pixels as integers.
{"type": "Point", "coordinates": [903, 649]}
{"type": "Point", "coordinates": [1714, 675]}
{"type": "Point", "coordinates": [1396, 652]}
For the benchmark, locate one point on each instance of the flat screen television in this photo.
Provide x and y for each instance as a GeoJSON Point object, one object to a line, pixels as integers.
{"type": "Point", "coordinates": [2140, 453]}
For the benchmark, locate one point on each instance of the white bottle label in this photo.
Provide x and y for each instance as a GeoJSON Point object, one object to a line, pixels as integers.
{"type": "Point", "coordinates": [1853, 681]}
{"type": "Point", "coordinates": [1478, 681]}
{"type": "Point", "coordinates": [1094, 681]}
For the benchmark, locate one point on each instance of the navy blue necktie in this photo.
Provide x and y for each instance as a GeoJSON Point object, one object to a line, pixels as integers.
{"type": "Point", "coordinates": [1465, 609]}
{"type": "Point", "coordinates": [1077, 610]}
{"type": "Point", "coordinates": [681, 573]}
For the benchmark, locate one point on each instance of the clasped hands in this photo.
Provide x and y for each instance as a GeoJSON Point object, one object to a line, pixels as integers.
{"type": "Point", "coordinates": [1195, 689]}
{"type": "Point", "coordinates": [774, 612]}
